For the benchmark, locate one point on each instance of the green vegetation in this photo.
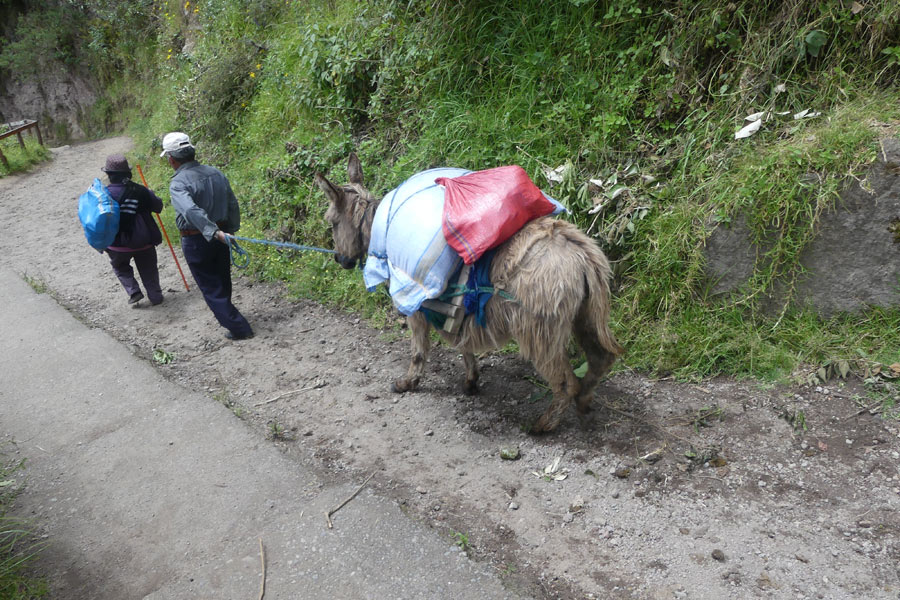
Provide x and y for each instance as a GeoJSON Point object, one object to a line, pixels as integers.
{"type": "Point", "coordinates": [462, 541]}
{"type": "Point", "coordinates": [223, 397]}
{"type": "Point", "coordinates": [19, 158]}
{"type": "Point", "coordinates": [161, 357]}
{"type": "Point", "coordinates": [637, 102]}
{"type": "Point", "coordinates": [18, 543]}
{"type": "Point", "coordinates": [37, 284]}
{"type": "Point", "coordinates": [276, 431]}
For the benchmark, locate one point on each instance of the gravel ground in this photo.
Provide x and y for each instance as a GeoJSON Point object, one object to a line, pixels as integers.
{"type": "Point", "coordinates": [667, 490]}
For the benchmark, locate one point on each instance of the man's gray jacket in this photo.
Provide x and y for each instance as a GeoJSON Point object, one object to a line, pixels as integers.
{"type": "Point", "coordinates": [203, 200]}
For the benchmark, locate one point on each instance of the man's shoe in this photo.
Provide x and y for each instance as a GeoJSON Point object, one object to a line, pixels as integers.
{"type": "Point", "coordinates": [238, 336]}
{"type": "Point", "coordinates": [136, 297]}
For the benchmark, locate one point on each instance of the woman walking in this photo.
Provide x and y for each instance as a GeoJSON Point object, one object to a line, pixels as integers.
{"type": "Point", "coordinates": [138, 234]}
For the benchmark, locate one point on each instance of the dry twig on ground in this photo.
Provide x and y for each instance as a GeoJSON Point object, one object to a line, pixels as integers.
{"type": "Point", "coordinates": [342, 504]}
{"type": "Point", "coordinates": [262, 559]}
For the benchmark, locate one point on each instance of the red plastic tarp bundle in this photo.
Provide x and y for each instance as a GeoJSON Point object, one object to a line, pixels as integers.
{"type": "Point", "coordinates": [483, 209]}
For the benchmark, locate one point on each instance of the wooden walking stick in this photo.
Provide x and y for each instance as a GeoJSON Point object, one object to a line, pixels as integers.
{"type": "Point", "coordinates": [163, 227]}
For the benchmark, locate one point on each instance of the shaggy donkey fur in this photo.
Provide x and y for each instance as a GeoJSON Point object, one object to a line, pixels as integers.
{"type": "Point", "coordinates": [557, 276]}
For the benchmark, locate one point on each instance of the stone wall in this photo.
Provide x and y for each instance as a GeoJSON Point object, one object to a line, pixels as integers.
{"type": "Point", "coordinates": [58, 102]}
{"type": "Point", "coordinates": [854, 260]}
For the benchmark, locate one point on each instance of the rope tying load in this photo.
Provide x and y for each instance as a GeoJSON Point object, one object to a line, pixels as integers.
{"type": "Point", "coordinates": [241, 259]}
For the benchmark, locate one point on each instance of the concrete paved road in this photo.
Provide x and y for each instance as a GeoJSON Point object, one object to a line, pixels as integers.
{"type": "Point", "coordinates": [149, 490]}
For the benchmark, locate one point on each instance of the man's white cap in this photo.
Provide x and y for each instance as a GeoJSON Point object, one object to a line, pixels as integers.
{"type": "Point", "coordinates": [175, 141]}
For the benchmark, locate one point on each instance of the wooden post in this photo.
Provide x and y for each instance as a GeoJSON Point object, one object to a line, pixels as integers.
{"type": "Point", "coordinates": [17, 130]}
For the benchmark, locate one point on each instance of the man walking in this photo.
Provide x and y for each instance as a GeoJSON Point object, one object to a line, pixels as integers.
{"type": "Point", "coordinates": [206, 209]}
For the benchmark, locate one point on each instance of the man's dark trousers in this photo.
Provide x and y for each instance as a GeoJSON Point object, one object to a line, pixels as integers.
{"type": "Point", "coordinates": [210, 264]}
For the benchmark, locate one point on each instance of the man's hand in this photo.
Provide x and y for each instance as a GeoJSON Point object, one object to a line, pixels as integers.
{"type": "Point", "coordinates": [221, 236]}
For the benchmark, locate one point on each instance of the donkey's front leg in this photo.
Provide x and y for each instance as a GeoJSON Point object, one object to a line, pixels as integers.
{"type": "Point", "coordinates": [418, 326]}
{"type": "Point", "coordinates": [471, 385]}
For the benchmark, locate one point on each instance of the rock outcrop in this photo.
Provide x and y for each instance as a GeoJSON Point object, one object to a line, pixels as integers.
{"type": "Point", "coordinates": [58, 101]}
{"type": "Point", "coordinates": [854, 260]}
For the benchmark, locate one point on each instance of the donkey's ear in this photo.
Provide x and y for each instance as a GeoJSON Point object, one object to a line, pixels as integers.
{"type": "Point", "coordinates": [354, 169]}
{"type": "Point", "coordinates": [332, 192]}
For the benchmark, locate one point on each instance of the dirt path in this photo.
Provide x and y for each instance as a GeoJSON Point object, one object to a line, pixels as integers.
{"type": "Point", "coordinates": [147, 490]}
{"type": "Point", "coordinates": [729, 501]}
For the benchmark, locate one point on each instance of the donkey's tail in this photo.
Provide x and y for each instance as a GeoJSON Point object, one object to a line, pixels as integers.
{"type": "Point", "coordinates": [595, 309]}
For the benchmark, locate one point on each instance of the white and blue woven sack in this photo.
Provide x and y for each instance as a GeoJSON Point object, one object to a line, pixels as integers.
{"type": "Point", "coordinates": [408, 248]}
{"type": "Point", "coordinates": [407, 245]}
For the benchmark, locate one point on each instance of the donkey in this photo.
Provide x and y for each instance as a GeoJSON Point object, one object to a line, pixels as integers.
{"type": "Point", "coordinates": [556, 276]}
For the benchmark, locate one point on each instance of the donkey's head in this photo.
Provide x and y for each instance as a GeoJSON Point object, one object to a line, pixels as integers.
{"type": "Point", "coordinates": [350, 214]}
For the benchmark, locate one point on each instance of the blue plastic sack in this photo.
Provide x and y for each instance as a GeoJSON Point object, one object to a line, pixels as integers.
{"type": "Point", "coordinates": [99, 215]}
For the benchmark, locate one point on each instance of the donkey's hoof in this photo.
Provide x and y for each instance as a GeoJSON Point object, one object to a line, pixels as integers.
{"type": "Point", "coordinates": [403, 385]}
{"type": "Point", "coordinates": [544, 425]}
{"type": "Point", "coordinates": [584, 408]}
{"type": "Point", "coordinates": [470, 388]}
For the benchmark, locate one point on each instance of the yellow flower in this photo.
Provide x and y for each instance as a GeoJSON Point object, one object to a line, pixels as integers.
{"type": "Point", "coordinates": [258, 66]}
{"type": "Point", "coordinates": [187, 4]}
{"type": "Point", "coordinates": [252, 74]}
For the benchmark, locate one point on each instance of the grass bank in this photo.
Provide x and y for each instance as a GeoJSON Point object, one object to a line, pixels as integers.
{"type": "Point", "coordinates": [626, 112]}
{"type": "Point", "coordinates": [18, 543]}
{"type": "Point", "coordinates": [21, 159]}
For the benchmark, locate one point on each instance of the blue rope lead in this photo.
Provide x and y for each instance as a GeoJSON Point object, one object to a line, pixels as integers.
{"type": "Point", "coordinates": [239, 256]}
{"type": "Point", "coordinates": [241, 259]}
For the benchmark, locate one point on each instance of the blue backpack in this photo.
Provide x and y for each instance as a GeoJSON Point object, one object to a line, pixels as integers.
{"type": "Point", "coordinates": [99, 215]}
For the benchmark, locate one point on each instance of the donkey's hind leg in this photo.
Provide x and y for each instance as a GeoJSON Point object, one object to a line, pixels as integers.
{"type": "Point", "coordinates": [599, 358]}
{"type": "Point", "coordinates": [557, 372]}
{"type": "Point", "coordinates": [420, 345]}
{"type": "Point", "coordinates": [599, 362]}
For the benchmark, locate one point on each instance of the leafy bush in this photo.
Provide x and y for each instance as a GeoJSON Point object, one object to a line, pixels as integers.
{"type": "Point", "coordinates": [222, 87]}
{"type": "Point", "coordinates": [44, 38]}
